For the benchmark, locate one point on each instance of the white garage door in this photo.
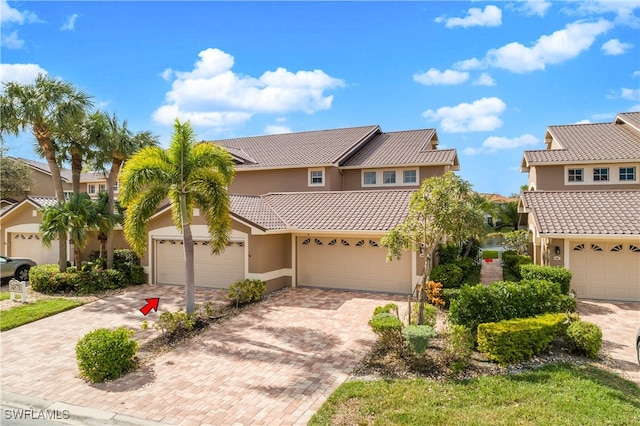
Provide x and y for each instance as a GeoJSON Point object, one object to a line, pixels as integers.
{"type": "Point", "coordinates": [352, 264]}
{"type": "Point", "coordinates": [210, 270]}
{"type": "Point", "coordinates": [30, 245]}
{"type": "Point", "coordinates": [609, 271]}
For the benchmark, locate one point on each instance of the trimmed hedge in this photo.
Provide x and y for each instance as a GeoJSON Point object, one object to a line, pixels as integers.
{"type": "Point", "coordinates": [583, 338]}
{"type": "Point", "coordinates": [105, 354]}
{"type": "Point", "coordinates": [518, 339]}
{"type": "Point", "coordinates": [388, 327]}
{"type": "Point", "coordinates": [46, 279]}
{"type": "Point", "coordinates": [511, 262]}
{"type": "Point", "coordinates": [247, 291]}
{"type": "Point", "coordinates": [418, 336]}
{"type": "Point", "coordinates": [554, 274]}
{"type": "Point", "coordinates": [503, 300]}
{"type": "Point", "coordinates": [449, 294]}
{"type": "Point", "coordinates": [448, 274]}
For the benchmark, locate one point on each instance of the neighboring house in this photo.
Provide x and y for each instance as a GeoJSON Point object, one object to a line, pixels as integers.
{"type": "Point", "coordinates": [497, 200]}
{"type": "Point", "coordinates": [583, 207]}
{"type": "Point", "coordinates": [309, 209]}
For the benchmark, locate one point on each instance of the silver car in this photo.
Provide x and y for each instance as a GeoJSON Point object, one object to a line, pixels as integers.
{"type": "Point", "coordinates": [15, 267]}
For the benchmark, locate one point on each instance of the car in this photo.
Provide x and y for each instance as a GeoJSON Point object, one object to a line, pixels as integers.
{"type": "Point", "coordinates": [15, 267]}
{"type": "Point", "coordinates": [638, 345]}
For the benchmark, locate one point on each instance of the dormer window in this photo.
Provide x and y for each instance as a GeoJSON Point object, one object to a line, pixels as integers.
{"type": "Point", "coordinates": [409, 176]}
{"type": "Point", "coordinates": [601, 174]}
{"type": "Point", "coordinates": [102, 187]}
{"type": "Point", "coordinates": [389, 177]}
{"type": "Point", "coordinates": [369, 178]}
{"type": "Point", "coordinates": [316, 177]}
{"type": "Point", "coordinates": [576, 175]}
{"type": "Point", "coordinates": [627, 174]}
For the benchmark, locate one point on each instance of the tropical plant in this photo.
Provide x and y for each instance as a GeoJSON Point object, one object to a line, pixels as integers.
{"type": "Point", "coordinates": [516, 241]}
{"type": "Point", "coordinates": [189, 174]}
{"type": "Point", "coordinates": [508, 214]}
{"type": "Point", "coordinates": [45, 107]}
{"type": "Point", "coordinates": [15, 176]}
{"type": "Point", "coordinates": [117, 143]}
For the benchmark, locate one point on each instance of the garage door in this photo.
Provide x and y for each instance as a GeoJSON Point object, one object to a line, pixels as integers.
{"type": "Point", "coordinates": [351, 263]}
{"type": "Point", "coordinates": [30, 245]}
{"type": "Point", "coordinates": [608, 271]}
{"type": "Point", "coordinates": [210, 270]}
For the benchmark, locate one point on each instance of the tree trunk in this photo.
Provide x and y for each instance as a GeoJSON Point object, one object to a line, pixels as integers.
{"type": "Point", "coordinates": [111, 180]}
{"type": "Point", "coordinates": [76, 256]}
{"type": "Point", "coordinates": [187, 239]}
{"type": "Point", "coordinates": [49, 153]}
{"type": "Point", "coordinates": [76, 169]}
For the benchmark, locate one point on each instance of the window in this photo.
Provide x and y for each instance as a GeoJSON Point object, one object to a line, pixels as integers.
{"type": "Point", "coordinates": [627, 174]}
{"type": "Point", "coordinates": [116, 186]}
{"type": "Point", "coordinates": [102, 187]}
{"type": "Point", "coordinates": [409, 176]}
{"type": "Point", "coordinates": [389, 177]}
{"type": "Point", "coordinates": [316, 177]}
{"type": "Point", "coordinates": [67, 195]}
{"type": "Point", "coordinates": [91, 189]}
{"type": "Point", "coordinates": [576, 175]}
{"type": "Point", "coordinates": [601, 174]}
{"type": "Point", "coordinates": [369, 178]}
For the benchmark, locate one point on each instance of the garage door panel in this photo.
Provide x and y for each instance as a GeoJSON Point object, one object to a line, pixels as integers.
{"type": "Point", "coordinates": [30, 245]}
{"type": "Point", "coordinates": [609, 271]}
{"type": "Point", "coordinates": [351, 263]}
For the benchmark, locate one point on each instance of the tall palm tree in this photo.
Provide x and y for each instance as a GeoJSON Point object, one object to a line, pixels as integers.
{"type": "Point", "coordinates": [189, 174]}
{"type": "Point", "coordinates": [117, 143]}
{"type": "Point", "coordinates": [76, 216]}
{"type": "Point", "coordinates": [45, 107]}
{"type": "Point", "coordinates": [105, 221]}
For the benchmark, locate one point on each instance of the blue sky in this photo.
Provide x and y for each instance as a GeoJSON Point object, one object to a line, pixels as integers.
{"type": "Point", "coordinates": [488, 76]}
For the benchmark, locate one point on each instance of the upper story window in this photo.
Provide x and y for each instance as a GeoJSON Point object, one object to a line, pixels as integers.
{"type": "Point", "coordinates": [409, 176]}
{"type": "Point", "coordinates": [116, 186]}
{"type": "Point", "coordinates": [389, 177]}
{"type": "Point", "coordinates": [369, 178]}
{"type": "Point", "coordinates": [102, 187]}
{"type": "Point", "coordinates": [576, 175]}
{"type": "Point", "coordinates": [627, 174]}
{"type": "Point", "coordinates": [91, 189]}
{"type": "Point", "coordinates": [67, 195]}
{"type": "Point", "coordinates": [316, 177]}
{"type": "Point", "coordinates": [601, 174]}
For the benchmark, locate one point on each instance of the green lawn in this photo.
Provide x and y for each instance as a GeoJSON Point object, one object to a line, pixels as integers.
{"type": "Point", "coordinates": [552, 395]}
{"type": "Point", "coordinates": [30, 312]}
{"type": "Point", "coordinates": [489, 254]}
{"type": "Point", "coordinates": [4, 295]}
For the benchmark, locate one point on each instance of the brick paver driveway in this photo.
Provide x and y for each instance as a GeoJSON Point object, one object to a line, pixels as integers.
{"type": "Point", "coordinates": [274, 364]}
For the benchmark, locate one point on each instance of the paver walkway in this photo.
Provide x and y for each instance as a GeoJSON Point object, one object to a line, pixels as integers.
{"type": "Point", "coordinates": [274, 364]}
{"type": "Point", "coordinates": [491, 271]}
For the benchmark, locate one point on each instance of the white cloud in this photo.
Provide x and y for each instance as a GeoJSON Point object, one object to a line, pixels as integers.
{"type": "Point", "coordinates": [636, 73]}
{"type": "Point", "coordinates": [496, 143]}
{"type": "Point", "coordinates": [558, 47]}
{"type": "Point", "coordinates": [435, 77]}
{"type": "Point", "coordinates": [20, 73]}
{"type": "Point", "coordinates": [533, 7]}
{"type": "Point", "coordinates": [9, 14]}
{"type": "Point", "coordinates": [276, 130]}
{"type": "Point", "coordinates": [481, 115]}
{"type": "Point", "coordinates": [491, 16]}
{"type": "Point", "coordinates": [70, 23]}
{"type": "Point", "coordinates": [167, 74]}
{"type": "Point", "coordinates": [213, 95]}
{"type": "Point", "coordinates": [484, 80]}
{"type": "Point", "coordinates": [12, 41]}
{"type": "Point", "coordinates": [585, 121]}
{"type": "Point", "coordinates": [469, 64]}
{"type": "Point", "coordinates": [615, 47]}
{"type": "Point", "coordinates": [630, 94]}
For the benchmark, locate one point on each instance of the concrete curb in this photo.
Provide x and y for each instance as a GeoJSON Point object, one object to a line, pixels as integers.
{"type": "Point", "coordinates": [42, 409]}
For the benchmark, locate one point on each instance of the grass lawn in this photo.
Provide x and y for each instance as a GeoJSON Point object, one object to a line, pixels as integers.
{"type": "Point", "coordinates": [559, 394]}
{"type": "Point", "coordinates": [489, 254]}
{"type": "Point", "coordinates": [30, 312]}
{"type": "Point", "coordinates": [4, 295]}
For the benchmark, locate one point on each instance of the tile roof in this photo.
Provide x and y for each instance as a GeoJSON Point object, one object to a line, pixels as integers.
{"type": "Point", "coordinates": [303, 148]}
{"type": "Point", "coordinates": [315, 211]}
{"type": "Point", "coordinates": [631, 118]}
{"type": "Point", "coordinates": [38, 201]}
{"type": "Point", "coordinates": [618, 141]}
{"type": "Point", "coordinates": [585, 212]}
{"type": "Point", "coordinates": [64, 173]}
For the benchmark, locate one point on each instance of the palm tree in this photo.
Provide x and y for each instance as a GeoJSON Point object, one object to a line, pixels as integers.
{"type": "Point", "coordinates": [45, 107]}
{"type": "Point", "coordinates": [76, 216]}
{"type": "Point", "coordinates": [189, 174]}
{"type": "Point", "coordinates": [117, 143]}
{"type": "Point", "coordinates": [508, 214]}
{"type": "Point", "coordinates": [105, 221]}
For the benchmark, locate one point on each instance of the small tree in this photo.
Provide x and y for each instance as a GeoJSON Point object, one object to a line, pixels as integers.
{"type": "Point", "coordinates": [15, 176]}
{"type": "Point", "coordinates": [441, 207]}
{"type": "Point", "coordinates": [516, 241]}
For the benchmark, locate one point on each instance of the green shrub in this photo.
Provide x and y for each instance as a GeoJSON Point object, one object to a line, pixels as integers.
{"type": "Point", "coordinates": [554, 274]}
{"type": "Point", "coordinates": [386, 309]}
{"type": "Point", "coordinates": [125, 256]}
{"type": "Point", "coordinates": [418, 336]}
{"type": "Point", "coordinates": [40, 278]}
{"type": "Point", "coordinates": [448, 274]}
{"type": "Point", "coordinates": [502, 300]}
{"type": "Point", "coordinates": [448, 253]}
{"type": "Point", "coordinates": [458, 347]}
{"type": "Point", "coordinates": [429, 314]}
{"type": "Point", "coordinates": [46, 279]}
{"type": "Point", "coordinates": [105, 354]}
{"type": "Point", "coordinates": [511, 262]}
{"type": "Point", "coordinates": [175, 322]}
{"type": "Point", "coordinates": [466, 265]}
{"type": "Point", "coordinates": [518, 339]}
{"type": "Point", "coordinates": [247, 291]}
{"type": "Point", "coordinates": [583, 338]}
{"type": "Point", "coordinates": [447, 295]}
{"type": "Point", "coordinates": [388, 327]}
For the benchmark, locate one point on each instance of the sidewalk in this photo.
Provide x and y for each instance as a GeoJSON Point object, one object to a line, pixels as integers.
{"type": "Point", "coordinates": [491, 271]}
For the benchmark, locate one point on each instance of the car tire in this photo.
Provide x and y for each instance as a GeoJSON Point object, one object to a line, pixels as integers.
{"type": "Point", "coordinates": [22, 273]}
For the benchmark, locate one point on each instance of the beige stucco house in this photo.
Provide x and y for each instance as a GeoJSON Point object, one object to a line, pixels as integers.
{"type": "Point", "coordinates": [583, 206]}
{"type": "Point", "coordinates": [308, 209]}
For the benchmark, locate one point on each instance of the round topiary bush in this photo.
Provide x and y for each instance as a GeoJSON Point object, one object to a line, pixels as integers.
{"type": "Point", "coordinates": [105, 354]}
{"type": "Point", "coordinates": [448, 274]}
{"type": "Point", "coordinates": [583, 338]}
